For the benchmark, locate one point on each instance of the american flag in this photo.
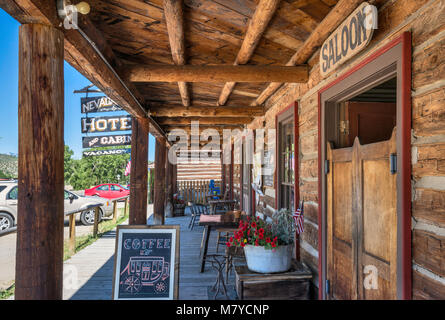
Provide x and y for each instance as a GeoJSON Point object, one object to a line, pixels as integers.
{"type": "Point", "coordinates": [128, 168]}
{"type": "Point", "coordinates": [299, 219]}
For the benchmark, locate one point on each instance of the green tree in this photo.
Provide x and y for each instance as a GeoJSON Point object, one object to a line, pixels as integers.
{"type": "Point", "coordinates": [90, 171]}
{"type": "Point", "coordinates": [4, 175]}
{"type": "Point", "coordinates": [68, 163]}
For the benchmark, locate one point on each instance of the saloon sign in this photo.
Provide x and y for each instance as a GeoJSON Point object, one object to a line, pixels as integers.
{"type": "Point", "coordinates": [352, 36]}
{"type": "Point", "coordinates": [106, 141]}
{"type": "Point", "coordinates": [106, 124]}
{"type": "Point", "coordinates": [98, 104]}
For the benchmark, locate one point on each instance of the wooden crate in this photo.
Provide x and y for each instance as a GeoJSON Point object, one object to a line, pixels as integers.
{"type": "Point", "coordinates": [291, 285]}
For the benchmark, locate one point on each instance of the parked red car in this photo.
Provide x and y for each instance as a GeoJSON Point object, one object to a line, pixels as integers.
{"type": "Point", "coordinates": [108, 190]}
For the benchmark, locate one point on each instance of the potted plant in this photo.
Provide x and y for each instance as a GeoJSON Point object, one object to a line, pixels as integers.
{"type": "Point", "coordinates": [267, 245]}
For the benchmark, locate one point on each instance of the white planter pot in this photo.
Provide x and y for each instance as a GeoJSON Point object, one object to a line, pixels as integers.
{"type": "Point", "coordinates": [268, 261]}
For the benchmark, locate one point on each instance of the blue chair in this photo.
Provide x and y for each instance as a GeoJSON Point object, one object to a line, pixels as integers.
{"type": "Point", "coordinates": [216, 191]}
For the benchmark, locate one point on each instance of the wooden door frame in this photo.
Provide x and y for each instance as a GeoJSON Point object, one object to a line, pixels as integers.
{"type": "Point", "coordinates": [392, 59]}
{"type": "Point", "coordinates": [245, 140]}
{"type": "Point", "coordinates": [292, 108]}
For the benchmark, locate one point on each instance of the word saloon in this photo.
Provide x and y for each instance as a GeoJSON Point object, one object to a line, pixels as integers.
{"type": "Point", "coordinates": [352, 36]}
{"type": "Point", "coordinates": [106, 141]}
{"type": "Point", "coordinates": [106, 124]}
{"type": "Point", "coordinates": [98, 104]}
{"type": "Point", "coordinates": [106, 152]}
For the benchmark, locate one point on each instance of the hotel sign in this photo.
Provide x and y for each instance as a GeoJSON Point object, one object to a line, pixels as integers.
{"type": "Point", "coordinates": [351, 37]}
{"type": "Point", "coordinates": [106, 141]}
{"type": "Point", "coordinates": [105, 124]}
{"type": "Point", "coordinates": [107, 152]}
{"type": "Point", "coordinates": [98, 104]}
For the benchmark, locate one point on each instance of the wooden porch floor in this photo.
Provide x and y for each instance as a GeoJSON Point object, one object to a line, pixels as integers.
{"type": "Point", "coordinates": [94, 266]}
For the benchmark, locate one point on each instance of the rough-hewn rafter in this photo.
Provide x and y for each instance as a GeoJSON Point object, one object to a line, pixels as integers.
{"type": "Point", "coordinates": [222, 73]}
{"type": "Point", "coordinates": [175, 25]}
{"type": "Point", "coordinates": [342, 9]}
{"type": "Point", "coordinates": [180, 121]}
{"type": "Point", "coordinates": [263, 13]}
{"type": "Point", "coordinates": [180, 111]}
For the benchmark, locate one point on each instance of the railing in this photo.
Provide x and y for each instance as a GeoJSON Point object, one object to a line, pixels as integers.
{"type": "Point", "coordinates": [72, 221]}
{"type": "Point", "coordinates": [195, 190]}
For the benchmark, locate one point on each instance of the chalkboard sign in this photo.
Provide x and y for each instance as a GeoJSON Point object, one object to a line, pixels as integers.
{"type": "Point", "coordinates": [146, 263]}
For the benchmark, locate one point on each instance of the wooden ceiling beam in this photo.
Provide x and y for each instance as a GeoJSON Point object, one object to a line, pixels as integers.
{"type": "Point", "coordinates": [332, 20]}
{"type": "Point", "coordinates": [258, 24]}
{"type": "Point", "coordinates": [221, 73]}
{"type": "Point", "coordinates": [180, 111]}
{"type": "Point", "coordinates": [175, 26]}
{"type": "Point", "coordinates": [188, 130]}
{"type": "Point", "coordinates": [87, 51]}
{"type": "Point", "coordinates": [179, 121]}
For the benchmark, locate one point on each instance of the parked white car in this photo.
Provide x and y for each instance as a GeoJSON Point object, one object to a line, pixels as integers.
{"type": "Point", "coordinates": [72, 202]}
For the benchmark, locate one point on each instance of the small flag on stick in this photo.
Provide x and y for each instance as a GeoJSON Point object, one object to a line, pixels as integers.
{"type": "Point", "coordinates": [299, 218]}
{"type": "Point", "coordinates": [128, 168]}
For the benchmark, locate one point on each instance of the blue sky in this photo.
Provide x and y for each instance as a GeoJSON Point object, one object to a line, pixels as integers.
{"type": "Point", "coordinates": [9, 95]}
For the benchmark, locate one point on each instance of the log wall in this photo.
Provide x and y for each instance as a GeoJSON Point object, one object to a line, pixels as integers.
{"type": "Point", "coordinates": [425, 20]}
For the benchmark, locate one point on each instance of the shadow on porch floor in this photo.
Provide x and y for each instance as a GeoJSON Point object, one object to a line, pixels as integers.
{"type": "Point", "coordinates": [95, 266]}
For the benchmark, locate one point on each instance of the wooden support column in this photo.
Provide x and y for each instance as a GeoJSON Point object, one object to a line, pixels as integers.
{"type": "Point", "coordinates": [169, 183]}
{"type": "Point", "coordinates": [139, 171]}
{"type": "Point", "coordinates": [39, 255]}
{"type": "Point", "coordinates": [175, 178]}
{"type": "Point", "coordinates": [159, 194]}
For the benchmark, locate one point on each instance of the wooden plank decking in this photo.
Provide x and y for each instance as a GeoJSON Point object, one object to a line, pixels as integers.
{"type": "Point", "coordinates": [94, 266]}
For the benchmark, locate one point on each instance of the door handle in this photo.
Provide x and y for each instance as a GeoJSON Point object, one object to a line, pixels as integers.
{"type": "Point", "coordinates": [393, 163]}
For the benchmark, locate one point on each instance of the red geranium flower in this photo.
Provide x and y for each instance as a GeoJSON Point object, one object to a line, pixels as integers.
{"type": "Point", "coordinates": [268, 240]}
{"type": "Point", "coordinates": [274, 244]}
{"type": "Point", "coordinates": [253, 224]}
{"type": "Point", "coordinates": [231, 239]}
{"type": "Point", "coordinates": [228, 244]}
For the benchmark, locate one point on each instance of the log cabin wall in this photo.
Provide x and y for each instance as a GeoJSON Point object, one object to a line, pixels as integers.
{"type": "Point", "coordinates": [425, 20]}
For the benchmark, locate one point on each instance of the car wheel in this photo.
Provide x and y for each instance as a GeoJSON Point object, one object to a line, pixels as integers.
{"type": "Point", "coordinates": [87, 217]}
{"type": "Point", "coordinates": [6, 221]}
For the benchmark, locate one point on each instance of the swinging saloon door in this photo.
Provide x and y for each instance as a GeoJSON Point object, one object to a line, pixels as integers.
{"type": "Point", "coordinates": [362, 221]}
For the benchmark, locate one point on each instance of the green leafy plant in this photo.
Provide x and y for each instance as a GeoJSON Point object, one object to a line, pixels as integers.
{"type": "Point", "coordinates": [283, 226]}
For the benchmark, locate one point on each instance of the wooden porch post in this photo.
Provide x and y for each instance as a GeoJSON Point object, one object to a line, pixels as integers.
{"type": "Point", "coordinates": [159, 194]}
{"type": "Point", "coordinates": [175, 178]}
{"type": "Point", "coordinates": [169, 182]}
{"type": "Point", "coordinates": [139, 172]}
{"type": "Point", "coordinates": [39, 255]}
